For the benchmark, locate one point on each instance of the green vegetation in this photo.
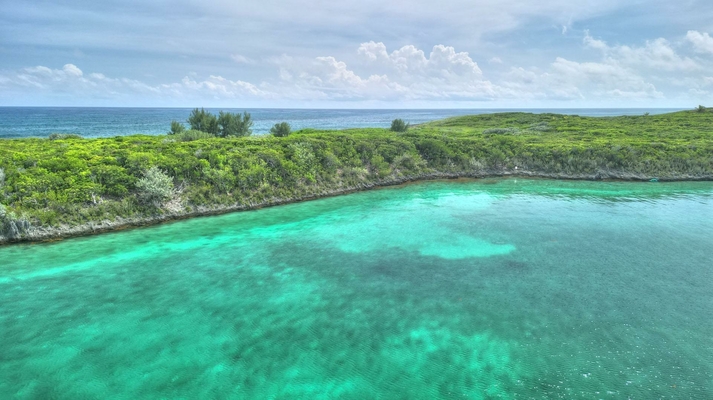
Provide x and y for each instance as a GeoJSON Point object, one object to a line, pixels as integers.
{"type": "Point", "coordinates": [176, 128]}
{"type": "Point", "coordinates": [234, 124]}
{"type": "Point", "coordinates": [224, 125]}
{"type": "Point", "coordinates": [155, 187]}
{"type": "Point", "coordinates": [190, 135]}
{"type": "Point", "coordinates": [282, 129]}
{"type": "Point", "coordinates": [63, 136]}
{"type": "Point", "coordinates": [49, 183]}
{"type": "Point", "coordinates": [398, 125]}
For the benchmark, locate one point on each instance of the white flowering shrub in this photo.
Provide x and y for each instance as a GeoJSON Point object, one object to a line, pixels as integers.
{"type": "Point", "coordinates": [155, 187]}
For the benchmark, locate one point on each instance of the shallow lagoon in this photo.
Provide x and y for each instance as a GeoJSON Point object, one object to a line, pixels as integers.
{"type": "Point", "coordinates": [460, 289]}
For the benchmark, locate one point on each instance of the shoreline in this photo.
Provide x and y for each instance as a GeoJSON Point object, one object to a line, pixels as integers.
{"type": "Point", "coordinates": [40, 235]}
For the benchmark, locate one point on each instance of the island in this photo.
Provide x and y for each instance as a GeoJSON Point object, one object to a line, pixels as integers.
{"type": "Point", "coordinates": [66, 185]}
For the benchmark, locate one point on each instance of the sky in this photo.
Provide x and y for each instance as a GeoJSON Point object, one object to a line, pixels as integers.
{"type": "Point", "coordinates": [357, 54]}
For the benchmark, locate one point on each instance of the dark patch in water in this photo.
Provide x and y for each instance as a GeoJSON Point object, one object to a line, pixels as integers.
{"type": "Point", "coordinates": [515, 265]}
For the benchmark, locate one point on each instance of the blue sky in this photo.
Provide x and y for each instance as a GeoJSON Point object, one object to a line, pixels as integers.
{"type": "Point", "coordinates": [357, 54]}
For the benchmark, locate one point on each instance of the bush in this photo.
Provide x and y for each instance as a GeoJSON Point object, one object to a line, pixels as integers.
{"type": "Point", "coordinates": [541, 127]}
{"type": "Point", "coordinates": [191, 135]}
{"type": "Point", "coordinates": [176, 128]}
{"type": "Point", "coordinates": [434, 151]}
{"type": "Point", "coordinates": [155, 187]}
{"type": "Point", "coordinates": [282, 129]}
{"type": "Point", "coordinates": [701, 109]}
{"type": "Point", "coordinates": [62, 136]}
{"type": "Point", "coordinates": [501, 131]}
{"type": "Point", "coordinates": [398, 125]}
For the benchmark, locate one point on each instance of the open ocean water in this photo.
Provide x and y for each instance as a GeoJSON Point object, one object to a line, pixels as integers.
{"type": "Point", "coordinates": [19, 122]}
{"type": "Point", "coordinates": [495, 288]}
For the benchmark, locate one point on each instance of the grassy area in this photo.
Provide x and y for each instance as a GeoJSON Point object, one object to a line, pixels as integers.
{"type": "Point", "coordinates": [73, 181]}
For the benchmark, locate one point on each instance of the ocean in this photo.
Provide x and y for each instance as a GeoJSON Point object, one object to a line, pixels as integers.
{"type": "Point", "coordinates": [495, 288]}
{"type": "Point", "coordinates": [21, 122]}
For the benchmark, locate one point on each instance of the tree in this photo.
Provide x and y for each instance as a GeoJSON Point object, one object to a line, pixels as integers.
{"type": "Point", "coordinates": [234, 124]}
{"type": "Point", "coordinates": [281, 130]}
{"type": "Point", "coordinates": [398, 125]}
{"type": "Point", "coordinates": [247, 125]}
{"type": "Point", "coordinates": [203, 121]}
{"type": "Point", "coordinates": [228, 124]}
{"type": "Point", "coordinates": [701, 109]}
{"type": "Point", "coordinates": [176, 128]}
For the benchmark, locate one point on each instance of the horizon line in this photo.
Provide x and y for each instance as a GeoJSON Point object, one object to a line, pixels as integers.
{"type": "Point", "coordinates": [367, 109]}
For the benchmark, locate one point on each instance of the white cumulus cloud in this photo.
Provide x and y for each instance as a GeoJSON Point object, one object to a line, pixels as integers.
{"type": "Point", "coordinates": [656, 69]}
{"type": "Point", "coordinates": [702, 42]}
{"type": "Point", "coordinates": [658, 54]}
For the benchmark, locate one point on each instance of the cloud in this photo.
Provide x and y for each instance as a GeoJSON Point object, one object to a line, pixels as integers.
{"type": "Point", "coordinates": [658, 54]}
{"type": "Point", "coordinates": [444, 74]}
{"type": "Point", "coordinates": [405, 73]}
{"type": "Point", "coordinates": [702, 42]}
{"type": "Point", "coordinates": [442, 60]}
{"type": "Point", "coordinates": [233, 40]}
{"type": "Point", "coordinates": [251, 28]}
{"type": "Point", "coordinates": [71, 80]}
{"type": "Point", "coordinates": [402, 75]}
{"type": "Point", "coordinates": [572, 80]}
{"type": "Point", "coordinates": [241, 59]}
{"type": "Point", "coordinates": [602, 79]}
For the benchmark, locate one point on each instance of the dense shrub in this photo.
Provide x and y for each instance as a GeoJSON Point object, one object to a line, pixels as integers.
{"type": "Point", "coordinates": [501, 131]}
{"type": "Point", "coordinates": [281, 129]}
{"type": "Point", "coordinates": [435, 152]}
{"type": "Point", "coordinates": [191, 135]}
{"type": "Point", "coordinates": [542, 127]}
{"type": "Point", "coordinates": [398, 125]}
{"type": "Point", "coordinates": [155, 187]}
{"type": "Point", "coordinates": [61, 136]}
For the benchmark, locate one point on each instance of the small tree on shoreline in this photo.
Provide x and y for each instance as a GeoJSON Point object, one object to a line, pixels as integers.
{"type": "Point", "coordinates": [203, 121]}
{"type": "Point", "coordinates": [398, 125]}
{"type": "Point", "coordinates": [282, 129]}
{"type": "Point", "coordinates": [230, 124]}
{"type": "Point", "coordinates": [176, 128]}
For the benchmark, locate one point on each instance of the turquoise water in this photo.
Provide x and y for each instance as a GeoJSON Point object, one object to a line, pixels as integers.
{"type": "Point", "coordinates": [461, 289]}
{"type": "Point", "coordinates": [19, 122]}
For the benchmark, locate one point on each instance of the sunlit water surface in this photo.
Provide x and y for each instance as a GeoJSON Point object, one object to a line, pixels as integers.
{"type": "Point", "coordinates": [479, 289]}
